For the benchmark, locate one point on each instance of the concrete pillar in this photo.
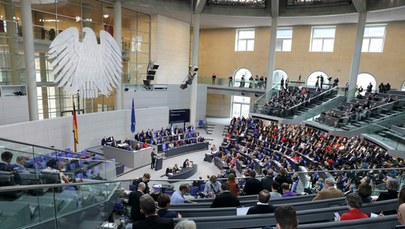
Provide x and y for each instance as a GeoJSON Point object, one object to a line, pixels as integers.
{"type": "Point", "coordinates": [194, 60]}
{"type": "Point", "coordinates": [354, 71]}
{"type": "Point", "coordinates": [272, 56]}
{"type": "Point", "coordinates": [29, 56]}
{"type": "Point", "coordinates": [44, 89]}
{"type": "Point", "coordinates": [12, 34]}
{"type": "Point", "coordinates": [118, 37]}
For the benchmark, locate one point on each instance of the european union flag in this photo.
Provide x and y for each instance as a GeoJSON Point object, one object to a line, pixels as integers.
{"type": "Point", "coordinates": [133, 122]}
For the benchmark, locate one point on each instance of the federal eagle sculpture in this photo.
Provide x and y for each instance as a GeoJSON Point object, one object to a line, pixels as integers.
{"type": "Point", "coordinates": [85, 66]}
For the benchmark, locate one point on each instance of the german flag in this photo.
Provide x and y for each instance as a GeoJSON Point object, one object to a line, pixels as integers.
{"type": "Point", "coordinates": [75, 129]}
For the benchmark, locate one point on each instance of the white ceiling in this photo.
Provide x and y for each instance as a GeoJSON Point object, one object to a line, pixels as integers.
{"type": "Point", "coordinates": [180, 10]}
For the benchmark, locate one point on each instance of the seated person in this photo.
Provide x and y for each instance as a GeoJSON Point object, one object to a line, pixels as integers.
{"type": "Point", "coordinates": [138, 146]}
{"type": "Point", "coordinates": [178, 196]}
{"type": "Point", "coordinates": [169, 171]}
{"type": "Point", "coordinates": [148, 207]}
{"type": "Point", "coordinates": [63, 177]}
{"type": "Point", "coordinates": [186, 163]}
{"type": "Point", "coordinates": [19, 164]}
{"type": "Point", "coordinates": [263, 205]}
{"type": "Point", "coordinates": [225, 198]}
{"type": "Point", "coordinates": [212, 187]}
{"type": "Point", "coordinates": [286, 217]}
{"type": "Point", "coordinates": [163, 201]}
{"type": "Point", "coordinates": [176, 169]}
{"type": "Point", "coordinates": [354, 203]}
{"type": "Point", "coordinates": [5, 165]}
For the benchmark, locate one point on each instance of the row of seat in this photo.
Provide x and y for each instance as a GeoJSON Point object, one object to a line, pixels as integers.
{"type": "Point", "coordinates": [304, 216]}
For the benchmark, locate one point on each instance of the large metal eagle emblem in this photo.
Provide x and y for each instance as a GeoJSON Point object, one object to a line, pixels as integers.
{"type": "Point", "coordinates": [85, 66]}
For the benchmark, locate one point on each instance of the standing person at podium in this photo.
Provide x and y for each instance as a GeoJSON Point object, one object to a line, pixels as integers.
{"type": "Point", "coordinates": [153, 156]}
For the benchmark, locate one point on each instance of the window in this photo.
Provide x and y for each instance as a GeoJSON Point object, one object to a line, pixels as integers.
{"type": "Point", "coordinates": [277, 76]}
{"type": "Point", "coordinates": [322, 39]}
{"type": "Point", "coordinates": [314, 80]}
{"type": "Point", "coordinates": [284, 39]}
{"type": "Point", "coordinates": [364, 79]}
{"type": "Point", "coordinates": [246, 74]}
{"type": "Point", "coordinates": [245, 40]}
{"type": "Point", "coordinates": [240, 106]}
{"type": "Point", "coordinates": [373, 40]}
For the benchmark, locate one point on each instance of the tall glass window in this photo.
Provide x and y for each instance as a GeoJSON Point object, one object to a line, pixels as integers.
{"type": "Point", "coordinates": [245, 40]}
{"type": "Point", "coordinates": [284, 39]}
{"type": "Point", "coordinates": [49, 19]}
{"type": "Point", "coordinates": [322, 39]}
{"type": "Point", "coordinates": [240, 106]}
{"type": "Point", "coordinates": [374, 36]}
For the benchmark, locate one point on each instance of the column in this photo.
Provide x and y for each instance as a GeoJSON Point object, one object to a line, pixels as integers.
{"type": "Point", "coordinates": [12, 35]}
{"type": "Point", "coordinates": [118, 37]}
{"type": "Point", "coordinates": [28, 41]}
{"type": "Point", "coordinates": [354, 71]}
{"type": "Point", "coordinates": [194, 60]}
{"type": "Point", "coordinates": [272, 48]}
{"type": "Point", "coordinates": [44, 89]}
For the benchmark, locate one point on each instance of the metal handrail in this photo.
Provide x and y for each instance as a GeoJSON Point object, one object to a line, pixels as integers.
{"type": "Point", "coordinates": [320, 94]}
{"type": "Point", "coordinates": [350, 115]}
{"type": "Point", "coordinates": [41, 186]}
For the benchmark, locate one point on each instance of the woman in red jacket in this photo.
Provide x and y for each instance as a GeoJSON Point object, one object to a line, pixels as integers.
{"type": "Point", "coordinates": [354, 203]}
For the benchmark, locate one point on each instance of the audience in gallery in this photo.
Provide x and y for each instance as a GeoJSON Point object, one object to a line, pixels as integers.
{"type": "Point", "coordinates": [145, 179]}
{"type": "Point", "coordinates": [288, 97]}
{"type": "Point", "coordinates": [263, 205]}
{"type": "Point", "coordinates": [133, 201]}
{"type": "Point", "coordinates": [252, 185]}
{"type": "Point", "coordinates": [330, 191]}
{"type": "Point", "coordinates": [401, 214]}
{"type": "Point", "coordinates": [152, 220]}
{"type": "Point", "coordinates": [178, 196]}
{"type": "Point", "coordinates": [186, 224]}
{"type": "Point", "coordinates": [267, 181]}
{"type": "Point", "coordinates": [5, 163]}
{"type": "Point", "coordinates": [233, 186]}
{"type": "Point", "coordinates": [286, 217]}
{"type": "Point", "coordinates": [354, 203]}
{"type": "Point", "coordinates": [287, 192]}
{"type": "Point", "coordinates": [212, 187]}
{"type": "Point", "coordinates": [225, 198]}
{"type": "Point", "coordinates": [361, 108]}
{"type": "Point", "coordinates": [163, 201]}
{"type": "Point", "coordinates": [365, 191]}
{"type": "Point", "coordinates": [275, 193]}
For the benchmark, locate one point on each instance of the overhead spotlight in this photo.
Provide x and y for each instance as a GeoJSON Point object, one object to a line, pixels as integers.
{"type": "Point", "coordinates": [242, 93]}
{"type": "Point", "coordinates": [146, 84]}
{"type": "Point", "coordinates": [183, 86]}
{"type": "Point", "coordinates": [150, 74]}
{"type": "Point", "coordinates": [256, 95]}
{"type": "Point", "coordinates": [192, 71]}
{"type": "Point", "coordinates": [126, 89]}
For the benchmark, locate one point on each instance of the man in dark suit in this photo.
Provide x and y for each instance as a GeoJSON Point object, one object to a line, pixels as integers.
{"type": "Point", "coordinates": [153, 156]}
{"type": "Point", "coordinates": [133, 201]}
{"type": "Point", "coordinates": [152, 221]}
{"type": "Point", "coordinates": [145, 179]}
{"type": "Point", "coordinates": [6, 157]}
{"type": "Point", "coordinates": [163, 201]}
{"type": "Point", "coordinates": [267, 181]}
{"type": "Point", "coordinates": [252, 185]}
{"type": "Point", "coordinates": [263, 205]}
{"type": "Point", "coordinates": [392, 187]}
{"type": "Point", "coordinates": [225, 199]}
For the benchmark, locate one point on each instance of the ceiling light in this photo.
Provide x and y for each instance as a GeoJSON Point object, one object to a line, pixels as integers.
{"type": "Point", "coordinates": [106, 15]}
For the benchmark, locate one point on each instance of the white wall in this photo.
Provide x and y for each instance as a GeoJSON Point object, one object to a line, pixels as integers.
{"type": "Point", "coordinates": [170, 49]}
{"type": "Point", "coordinates": [92, 127]}
{"type": "Point", "coordinates": [174, 97]}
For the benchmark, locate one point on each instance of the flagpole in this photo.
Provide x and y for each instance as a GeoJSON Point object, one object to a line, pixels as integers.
{"type": "Point", "coordinates": [75, 134]}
